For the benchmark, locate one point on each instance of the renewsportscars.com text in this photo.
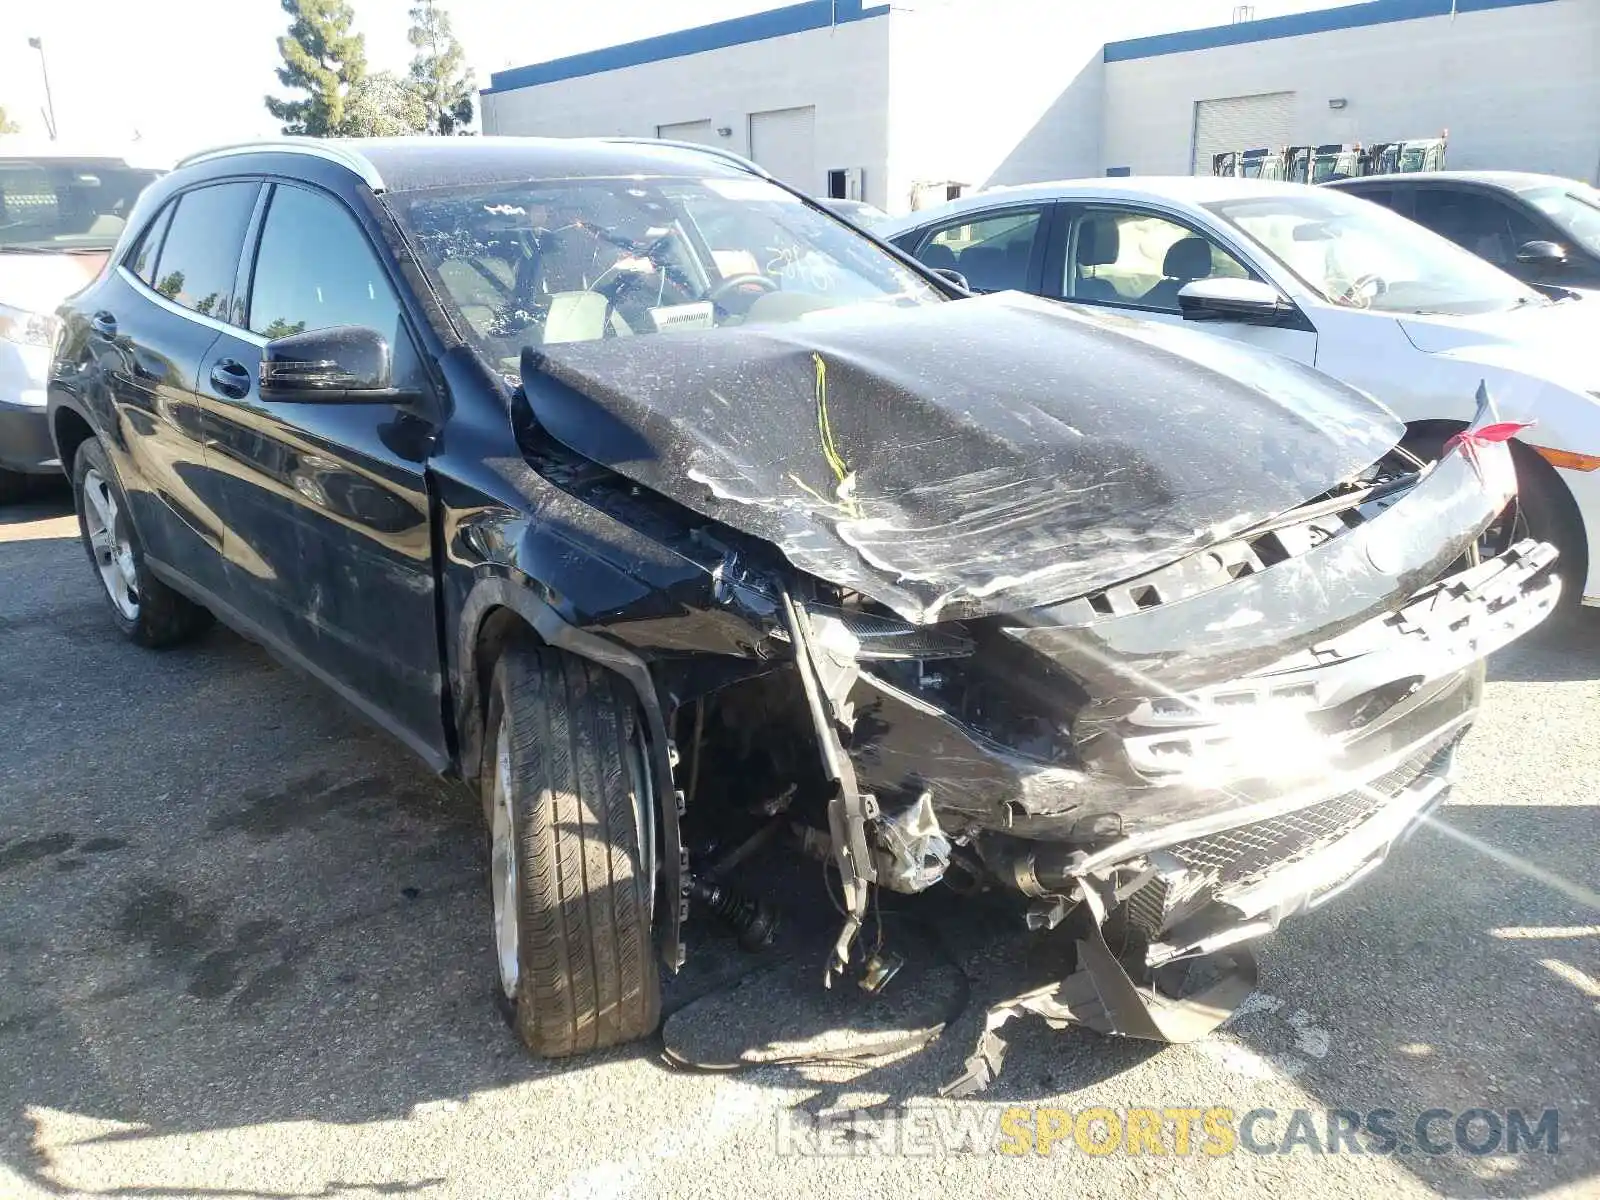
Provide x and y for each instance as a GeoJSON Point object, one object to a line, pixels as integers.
{"type": "Point", "coordinates": [926, 1130]}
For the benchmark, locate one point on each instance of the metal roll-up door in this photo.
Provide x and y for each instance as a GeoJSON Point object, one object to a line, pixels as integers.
{"type": "Point", "coordinates": [1240, 123]}
{"type": "Point", "coordinates": [784, 142]}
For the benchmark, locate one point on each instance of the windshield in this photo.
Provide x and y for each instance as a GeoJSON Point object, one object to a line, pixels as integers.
{"type": "Point", "coordinates": [531, 264]}
{"type": "Point", "coordinates": [66, 204]}
{"type": "Point", "coordinates": [1576, 209]}
{"type": "Point", "coordinates": [1357, 254]}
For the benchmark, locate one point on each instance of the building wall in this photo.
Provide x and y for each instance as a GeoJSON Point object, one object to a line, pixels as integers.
{"type": "Point", "coordinates": [1517, 87]}
{"type": "Point", "coordinates": [842, 71]}
{"type": "Point", "coordinates": [1006, 91]}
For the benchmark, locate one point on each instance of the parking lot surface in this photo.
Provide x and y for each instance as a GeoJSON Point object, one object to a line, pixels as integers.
{"type": "Point", "coordinates": [243, 952]}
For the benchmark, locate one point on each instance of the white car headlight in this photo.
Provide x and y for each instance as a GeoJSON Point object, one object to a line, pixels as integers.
{"type": "Point", "coordinates": [27, 328]}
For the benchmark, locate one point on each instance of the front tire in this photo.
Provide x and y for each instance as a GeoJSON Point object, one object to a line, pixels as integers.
{"type": "Point", "coordinates": [146, 611]}
{"type": "Point", "coordinates": [566, 789]}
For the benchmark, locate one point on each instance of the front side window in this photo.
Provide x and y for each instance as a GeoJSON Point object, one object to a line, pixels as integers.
{"type": "Point", "coordinates": [1140, 259]}
{"type": "Point", "coordinates": [1487, 227]}
{"type": "Point", "coordinates": [315, 269]}
{"type": "Point", "coordinates": [585, 259]}
{"type": "Point", "coordinates": [201, 250]}
{"type": "Point", "coordinates": [1360, 255]}
{"type": "Point", "coordinates": [1575, 210]}
{"type": "Point", "coordinates": [993, 252]}
{"type": "Point", "coordinates": [66, 204]}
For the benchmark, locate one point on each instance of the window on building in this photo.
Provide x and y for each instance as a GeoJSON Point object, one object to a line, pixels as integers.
{"type": "Point", "coordinates": [1140, 259]}
{"type": "Point", "coordinates": [201, 250]}
{"type": "Point", "coordinates": [993, 251]}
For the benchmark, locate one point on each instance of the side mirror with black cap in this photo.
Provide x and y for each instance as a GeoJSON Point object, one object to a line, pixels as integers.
{"type": "Point", "coordinates": [1246, 300]}
{"type": "Point", "coordinates": [344, 363]}
{"type": "Point", "coordinates": [1542, 254]}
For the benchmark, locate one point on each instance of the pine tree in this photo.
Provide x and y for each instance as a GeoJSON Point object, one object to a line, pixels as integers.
{"type": "Point", "coordinates": [437, 70]}
{"type": "Point", "coordinates": [324, 59]}
{"type": "Point", "coordinates": [384, 104]}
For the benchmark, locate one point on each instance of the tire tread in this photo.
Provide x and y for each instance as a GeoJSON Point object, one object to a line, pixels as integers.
{"type": "Point", "coordinates": [589, 975]}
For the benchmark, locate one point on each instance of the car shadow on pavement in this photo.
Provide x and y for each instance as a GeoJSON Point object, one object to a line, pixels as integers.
{"type": "Point", "coordinates": [1553, 653]}
{"type": "Point", "coordinates": [1465, 975]}
{"type": "Point", "coordinates": [1477, 952]}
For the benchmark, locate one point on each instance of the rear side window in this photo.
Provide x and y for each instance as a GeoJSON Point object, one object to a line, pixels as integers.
{"type": "Point", "coordinates": [315, 269]}
{"type": "Point", "coordinates": [143, 263]}
{"type": "Point", "coordinates": [201, 250]}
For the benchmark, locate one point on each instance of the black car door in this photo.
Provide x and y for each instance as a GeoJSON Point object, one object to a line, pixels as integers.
{"type": "Point", "coordinates": [155, 318]}
{"type": "Point", "coordinates": [325, 505]}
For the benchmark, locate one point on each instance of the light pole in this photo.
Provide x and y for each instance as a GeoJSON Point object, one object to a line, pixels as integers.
{"type": "Point", "coordinates": [50, 104]}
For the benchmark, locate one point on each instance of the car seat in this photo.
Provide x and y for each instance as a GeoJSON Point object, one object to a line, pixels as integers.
{"type": "Point", "coordinates": [985, 268]}
{"type": "Point", "coordinates": [1187, 259]}
{"type": "Point", "coordinates": [938, 256]}
{"type": "Point", "coordinates": [1099, 245]}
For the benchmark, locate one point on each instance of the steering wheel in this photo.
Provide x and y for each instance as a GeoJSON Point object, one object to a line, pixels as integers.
{"type": "Point", "coordinates": [734, 284]}
{"type": "Point", "coordinates": [1357, 292]}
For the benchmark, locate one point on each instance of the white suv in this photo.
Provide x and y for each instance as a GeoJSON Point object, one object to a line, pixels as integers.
{"type": "Point", "coordinates": [61, 213]}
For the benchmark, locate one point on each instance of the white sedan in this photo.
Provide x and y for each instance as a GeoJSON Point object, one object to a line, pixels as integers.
{"type": "Point", "coordinates": [1325, 278]}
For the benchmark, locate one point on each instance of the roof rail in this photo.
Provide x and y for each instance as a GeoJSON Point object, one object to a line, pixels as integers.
{"type": "Point", "coordinates": [314, 147]}
{"type": "Point", "coordinates": [728, 156]}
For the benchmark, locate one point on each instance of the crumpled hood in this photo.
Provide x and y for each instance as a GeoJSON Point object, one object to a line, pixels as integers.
{"type": "Point", "coordinates": [987, 455]}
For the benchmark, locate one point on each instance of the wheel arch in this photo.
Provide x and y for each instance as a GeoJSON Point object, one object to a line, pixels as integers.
{"type": "Point", "coordinates": [496, 613]}
{"type": "Point", "coordinates": [69, 429]}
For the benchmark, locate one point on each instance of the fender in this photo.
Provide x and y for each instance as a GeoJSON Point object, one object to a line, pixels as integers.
{"type": "Point", "coordinates": [497, 592]}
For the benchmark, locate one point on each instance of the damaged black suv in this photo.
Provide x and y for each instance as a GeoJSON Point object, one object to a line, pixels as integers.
{"type": "Point", "coordinates": [638, 492]}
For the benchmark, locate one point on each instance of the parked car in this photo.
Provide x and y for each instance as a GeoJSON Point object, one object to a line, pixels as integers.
{"type": "Point", "coordinates": [1131, 624]}
{"type": "Point", "coordinates": [1324, 278]}
{"type": "Point", "coordinates": [858, 212]}
{"type": "Point", "coordinates": [61, 212]}
{"type": "Point", "coordinates": [1543, 229]}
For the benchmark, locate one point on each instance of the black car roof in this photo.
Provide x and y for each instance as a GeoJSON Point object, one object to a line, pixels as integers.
{"type": "Point", "coordinates": [411, 163]}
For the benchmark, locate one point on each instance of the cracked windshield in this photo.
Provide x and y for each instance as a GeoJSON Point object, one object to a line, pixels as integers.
{"type": "Point", "coordinates": [604, 258]}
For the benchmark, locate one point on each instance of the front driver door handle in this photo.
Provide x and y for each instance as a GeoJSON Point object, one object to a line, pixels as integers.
{"type": "Point", "coordinates": [231, 378]}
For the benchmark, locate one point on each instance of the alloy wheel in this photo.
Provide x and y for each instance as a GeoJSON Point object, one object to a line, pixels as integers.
{"type": "Point", "coordinates": [110, 545]}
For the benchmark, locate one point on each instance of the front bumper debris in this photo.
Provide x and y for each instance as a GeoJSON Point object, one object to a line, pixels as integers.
{"type": "Point", "coordinates": [1248, 879]}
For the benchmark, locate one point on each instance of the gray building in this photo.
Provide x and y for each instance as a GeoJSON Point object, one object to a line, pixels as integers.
{"type": "Point", "coordinates": [900, 105]}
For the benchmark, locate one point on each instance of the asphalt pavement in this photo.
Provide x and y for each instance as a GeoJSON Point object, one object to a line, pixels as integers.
{"type": "Point", "coordinates": [244, 953]}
